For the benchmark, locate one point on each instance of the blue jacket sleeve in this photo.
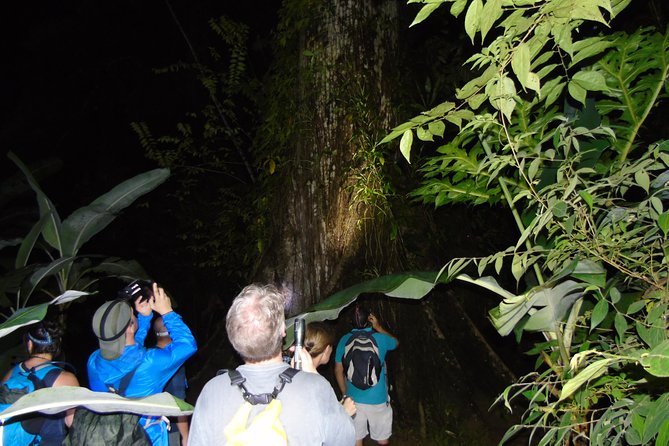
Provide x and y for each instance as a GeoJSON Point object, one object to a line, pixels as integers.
{"type": "Point", "coordinates": [182, 347]}
{"type": "Point", "coordinates": [143, 325]}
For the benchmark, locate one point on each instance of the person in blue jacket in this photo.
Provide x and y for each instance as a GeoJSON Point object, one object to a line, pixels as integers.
{"type": "Point", "coordinates": [122, 354]}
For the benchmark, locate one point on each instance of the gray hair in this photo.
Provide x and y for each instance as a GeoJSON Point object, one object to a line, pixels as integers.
{"type": "Point", "coordinates": [256, 323]}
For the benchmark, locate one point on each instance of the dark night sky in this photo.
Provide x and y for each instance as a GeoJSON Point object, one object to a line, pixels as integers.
{"type": "Point", "coordinates": [76, 73]}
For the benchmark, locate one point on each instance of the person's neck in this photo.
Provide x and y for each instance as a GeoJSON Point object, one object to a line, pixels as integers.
{"type": "Point", "coordinates": [273, 360]}
{"type": "Point", "coordinates": [39, 358]}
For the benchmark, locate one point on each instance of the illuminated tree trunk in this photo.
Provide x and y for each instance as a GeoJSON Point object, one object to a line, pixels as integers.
{"type": "Point", "coordinates": [322, 220]}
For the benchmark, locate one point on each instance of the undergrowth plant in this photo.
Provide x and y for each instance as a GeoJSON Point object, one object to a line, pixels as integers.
{"type": "Point", "coordinates": [557, 126]}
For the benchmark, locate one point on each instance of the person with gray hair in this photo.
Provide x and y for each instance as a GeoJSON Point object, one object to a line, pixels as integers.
{"type": "Point", "coordinates": [309, 411]}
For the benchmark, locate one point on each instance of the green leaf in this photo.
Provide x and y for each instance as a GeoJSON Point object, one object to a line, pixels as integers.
{"type": "Point", "coordinates": [576, 91]}
{"type": "Point", "coordinates": [29, 241]}
{"type": "Point", "coordinates": [559, 209]}
{"type": "Point", "coordinates": [437, 128]}
{"type": "Point", "coordinates": [423, 134]}
{"type": "Point", "coordinates": [424, 13]}
{"type": "Point", "coordinates": [491, 12]}
{"type": "Point", "coordinates": [556, 302]}
{"type": "Point", "coordinates": [642, 179]}
{"type": "Point", "coordinates": [621, 326]}
{"type": "Point", "coordinates": [457, 7]}
{"type": "Point", "coordinates": [85, 222]}
{"type": "Point", "coordinates": [600, 312]}
{"type": "Point", "coordinates": [656, 362]}
{"type": "Point", "coordinates": [587, 198]}
{"type": "Point", "coordinates": [49, 270]}
{"type": "Point", "coordinates": [520, 63]}
{"type": "Point", "coordinates": [663, 222]}
{"type": "Point", "coordinates": [22, 317]}
{"type": "Point", "coordinates": [592, 371]}
{"type": "Point", "coordinates": [51, 231]}
{"type": "Point", "coordinates": [53, 400]}
{"type": "Point", "coordinates": [473, 18]}
{"type": "Point", "coordinates": [405, 144]}
{"type": "Point", "coordinates": [590, 80]}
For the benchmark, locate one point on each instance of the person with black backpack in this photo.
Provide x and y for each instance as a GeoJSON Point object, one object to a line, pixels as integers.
{"type": "Point", "coordinates": [360, 371]}
{"type": "Point", "coordinates": [43, 341]}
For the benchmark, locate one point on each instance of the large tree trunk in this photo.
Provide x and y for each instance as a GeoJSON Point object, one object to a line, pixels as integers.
{"type": "Point", "coordinates": [347, 67]}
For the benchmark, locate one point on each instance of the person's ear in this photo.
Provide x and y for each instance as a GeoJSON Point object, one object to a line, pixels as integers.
{"type": "Point", "coordinates": [30, 346]}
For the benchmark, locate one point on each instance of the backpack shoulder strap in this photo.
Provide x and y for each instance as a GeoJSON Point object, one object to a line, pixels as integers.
{"type": "Point", "coordinates": [125, 381]}
{"type": "Point", "coordinates": [285, 377]}
{"type": "Point", "coordinates": [50, 377]}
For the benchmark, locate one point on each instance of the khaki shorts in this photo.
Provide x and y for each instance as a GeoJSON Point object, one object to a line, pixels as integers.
{"type": "Point", "coordinates": [378, 418]}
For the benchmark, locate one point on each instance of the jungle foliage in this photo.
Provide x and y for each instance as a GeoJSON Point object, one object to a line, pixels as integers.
{"type": "Point", "coordinates": [557, 125]}
{"type": "Point", "coordinates": [49, 268]}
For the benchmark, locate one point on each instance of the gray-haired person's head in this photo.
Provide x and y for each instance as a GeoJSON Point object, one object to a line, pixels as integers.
{"type": "Point", "coordinates": [256, 323]}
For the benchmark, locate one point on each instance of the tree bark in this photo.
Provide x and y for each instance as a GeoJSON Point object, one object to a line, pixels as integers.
{"type": "Point", "coordinates": [343, 94]}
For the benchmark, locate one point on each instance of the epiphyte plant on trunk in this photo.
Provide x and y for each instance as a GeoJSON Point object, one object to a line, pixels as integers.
{"type": "Point", "coordinates": [66, 274]}
{"type": "Point", "coordinates": [556, 127]}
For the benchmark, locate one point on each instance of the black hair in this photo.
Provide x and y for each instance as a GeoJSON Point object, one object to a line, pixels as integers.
{"type": "Point", "coordinates": [360, 317]}
{"type": "Point", "coordinates": [46, 337]}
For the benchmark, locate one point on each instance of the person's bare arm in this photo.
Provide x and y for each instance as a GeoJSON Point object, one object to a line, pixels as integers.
{"type": "Point", "coordinates": [339, 375]}
{"type": "Point", "coordinates": [376, 325]}
{"type": "Point", "coordinates": [67, 379]}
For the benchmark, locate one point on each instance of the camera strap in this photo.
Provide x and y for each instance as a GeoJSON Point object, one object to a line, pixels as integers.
{"type": "Point", "coordinates": [236, 379]}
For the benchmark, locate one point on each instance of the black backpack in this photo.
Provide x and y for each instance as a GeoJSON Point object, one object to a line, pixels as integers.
{"type": "Point", "coordinates": [362, 362]}
{"type": "Point", "coordinates": [91, 428]}
{"type": "Point", "coordinates": [46, 429]}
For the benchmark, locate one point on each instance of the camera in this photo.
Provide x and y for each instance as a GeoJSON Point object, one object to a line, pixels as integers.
{"type": "Point", "coordinates": [142, 289]}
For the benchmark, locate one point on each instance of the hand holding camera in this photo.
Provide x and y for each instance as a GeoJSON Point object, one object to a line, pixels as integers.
{"type": "Point", "coordinates": [160, 303]}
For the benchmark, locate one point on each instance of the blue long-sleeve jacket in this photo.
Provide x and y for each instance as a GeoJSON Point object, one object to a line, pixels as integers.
{"type": "Point", "coordinates": [154, 367]}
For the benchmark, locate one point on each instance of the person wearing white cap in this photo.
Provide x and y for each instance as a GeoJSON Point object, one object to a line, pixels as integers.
{"type": "Point", "coordinates": [122, 362]}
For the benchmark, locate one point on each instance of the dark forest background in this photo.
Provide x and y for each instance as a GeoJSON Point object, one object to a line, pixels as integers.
{"type": "Point", "coordinates": [76, 74]}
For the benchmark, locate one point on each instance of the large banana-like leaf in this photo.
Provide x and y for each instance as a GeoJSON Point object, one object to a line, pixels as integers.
{"type": "Point", "coordinates": [40, 274]}
{"type": "Point", "coordinates": [35, 313]}
{"type": "Point", "coordinates": [556, 302]}
{"type": "Point", "coordinates": [85, 222]}
{"type": "Point", "coordinates": [52, 229]}
{"type": "Point", "coordinates": [52, 400]}
{"type": "Point", "coordinates": [414, 285]}
{"type": "Point", "coordinates": [29, 241]}
{"type": "Point", "coordinates": [22, 317]}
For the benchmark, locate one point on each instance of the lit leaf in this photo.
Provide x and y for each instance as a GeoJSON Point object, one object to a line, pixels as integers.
{"type": "Point", "coordinates": [663, 222]}
{"type": "Point", "coordinates": [656, 362]}
{"type": "Point", "coordinates": [599, 313]}
{"type": "Point", "coordinates": [577, 92]}
{"type": "Point", "coordinates": [587, 198]}
{"type": "Point", "coordinates": [405, 144]}
{"type": "Point", "coordinates": [592, 371]}
{"type": "Point", "coordinates": [437, 128]}
{"type": "Point", "coordinates": [472, 18]}
{"type": "Point", "coordinates": [520, 63]}
{"type": "Point", "coordinates": [424, 12]}
{"type": "Point", "coordinates": [423, 134]}
{"type": "Point", "coordinates": [642, 179]}
{"type": "Point", "coordinates": [457, 7]}
{"type": "Point", "coordinates": [590, 80]}
{"type": "Point", "coordinates": [490, 13]}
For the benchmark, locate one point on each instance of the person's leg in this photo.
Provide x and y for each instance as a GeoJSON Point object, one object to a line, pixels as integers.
{"type": "Point", "coordinates": [360, 422]}
{"type": "Point", "coordinates": [380, 419]}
